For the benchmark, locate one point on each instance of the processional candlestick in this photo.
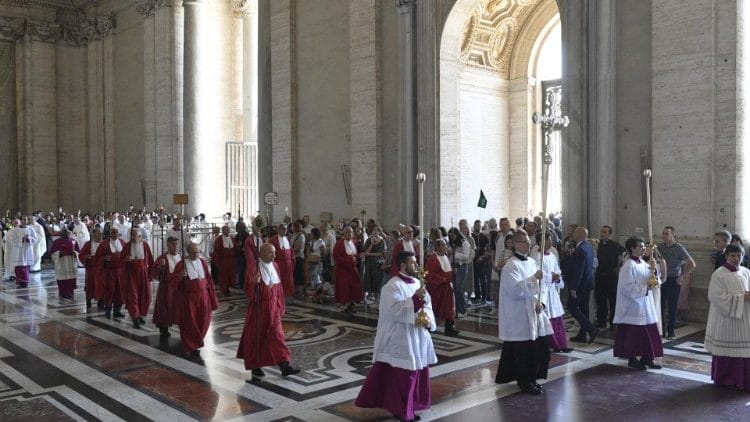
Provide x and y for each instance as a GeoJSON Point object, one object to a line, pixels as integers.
{"type": "Point", "coordinates": [551, 120]}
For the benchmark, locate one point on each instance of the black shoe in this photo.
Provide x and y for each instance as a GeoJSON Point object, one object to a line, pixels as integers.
{"type": "Point", "coordinates": [530, 389]}
{"type": "Point", "coordinates": [254, 381]}
{"type": "Point", "coordinates": [164, 332]}
{"type": "Point", "coordinates": [650, 364]}
{"type": "Point", "coordinates": [99, 304]}
{"type": "Point", "coordinates": [141, 320]}
{"type": "Point", "coordinates": [88, 303]}
{"type": "Point", "coordinates": [636, 364]}
{"type": "Point", "coordinates": [580, 338]}
{"type": "Point", "coordinates": [118, 315]}
{"type": "Point", "coordinates": [258, 372]}
{"type": "Point", "coordinates": [565, 350]}
{"type": "Point", "coordinates": [287, 369]}
{"type": "Point", "coordinates": [537, 385]}
{"type": "Point", "coordinates": [136, 324]}
{"type": "Point", "coordinates": [451, 332]}
{"type": "Point", "coordinates": [594, 333]}
{"type": "Point", "coordinates": [108, 315]}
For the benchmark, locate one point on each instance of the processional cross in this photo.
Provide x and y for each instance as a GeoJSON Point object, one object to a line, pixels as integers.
{"type": "Point", "coordinates": [551, 120]}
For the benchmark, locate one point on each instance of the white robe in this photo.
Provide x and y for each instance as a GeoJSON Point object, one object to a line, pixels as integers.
{"type": "Point", "coordinates": [550, 290]}
{"type": "Point", "coordinates": [399, 342]}
{"type": "Point", "coordinates": [23, 253]}
{"type": "Point", "coordinates": [81, 234]}
{"type": "Point", "coordinates": [8, 256]}
{"type": "Point", "coordinates": [39, 246]}
{"type": "Point", "coordinates": [517, 317]}
{"type": "Point", "coordinates": [728, 327]}
{"type": "Point", "coordinates": [634, 304]}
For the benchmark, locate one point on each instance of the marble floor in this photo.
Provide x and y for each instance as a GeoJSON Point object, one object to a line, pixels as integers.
{"type": "Point", "coordinates": [60, 362]}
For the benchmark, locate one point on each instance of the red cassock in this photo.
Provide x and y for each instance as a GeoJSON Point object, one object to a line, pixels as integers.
{"type": "Point", "coordinates": [165, 292]}
{"type": "Point", "coordinates": [94, 286]}
{"type": "Point", "coordinates": [440, 289]}
{"type": "Point", "coordinates": [114, 268]}
{"type": "Point", "coordinates": [397, 249]}
{"type": "Point", "coordinates": [194, 300]}
{"type": "Point", "coordinates": [138, 281]}
{"type": "Point", "coordinates": [252, 255]}
{"type": "Point", "coordinates": [285, 261]}
{"type": "Point", "coordinates": [263, 342]}
{"type": "Point", "coordinates": [227, 263]}
{"type": "Point", "coordinates": [348, 285]}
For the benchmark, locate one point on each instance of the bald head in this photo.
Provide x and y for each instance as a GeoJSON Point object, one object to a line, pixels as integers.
{"type": "Point", "coordinates": [580, 234]}
{"type": "Point", "coordinates": [267, 253]}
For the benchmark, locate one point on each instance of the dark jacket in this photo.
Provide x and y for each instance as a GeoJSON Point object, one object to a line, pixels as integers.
{"type": "Point", "coordinates": [581, 267]}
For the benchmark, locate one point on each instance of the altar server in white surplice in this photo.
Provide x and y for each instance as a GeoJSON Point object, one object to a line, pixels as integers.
{"type": "Point", "coordinates": [39, 246]}
{"type": "Point", "coordinates": [728, 328]}
{"type": "Point", "coordinates": [22, 239]}
{"type": "Point", "coordinates": [399, 380]}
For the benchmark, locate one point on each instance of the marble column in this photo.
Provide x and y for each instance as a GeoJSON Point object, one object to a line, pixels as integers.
{"type": "Point", "coordinates": [427, 68]}
{"type": "Point", "coordinates": [264, 138]}
{"type": "Point", "coordinates": [743, 117]}
{"type": "Point", "coordinates": [207, 104]}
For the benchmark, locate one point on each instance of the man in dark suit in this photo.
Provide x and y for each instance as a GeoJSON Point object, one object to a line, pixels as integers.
{"type": "Point", "coordinates": [579, 283]}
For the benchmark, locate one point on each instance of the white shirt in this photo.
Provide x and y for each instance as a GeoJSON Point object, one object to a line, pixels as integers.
{"type": "Point", "coordinates": [350, 248]}
{"type": "Point", "coordinates": [445, 263]}
{"type": "Point", "coordinates": [194, 268]}
{"type": "Point", "coordinates": [399, 342]}
{"type": "Point", "coordinates": [136, 250]}
{"type": "Point", "coordinates": [634, 303]}
{"type": "Point", "coordinates": [728, 327]}
{"type": "Point", "coordinates": [226, 241]}
{"type": "Point", "coordinates": [172, 261]}
{"type": "Point", "coordinates": [115, 246]}
{"type": "Point", "coordinates": [550, 290]}
{"type": "Point", "coordinates": [517, 318]}
{"type": "Point", "coordinates": [23, 250]}
{"type": "Point", "coordinates": [268, 273]}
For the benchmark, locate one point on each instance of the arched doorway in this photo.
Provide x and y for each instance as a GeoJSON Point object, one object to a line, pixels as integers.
{"type": "Point", "coordinates": [489, 56]}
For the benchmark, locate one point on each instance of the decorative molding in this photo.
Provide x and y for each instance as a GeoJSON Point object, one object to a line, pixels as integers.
{"type": "Point", "coordinates": [404, 5]}
{"type": "Point", "coordinates": [42, 31]}
{"type": "Point", "coordinates": [244, 7]}
{"type": "Point", "coordinates": [147, 8]}
{"type": "Point", "coordinates": [90, 29]}
{"type": "Point", "coordinates": [492, 33]}
{"type": "Point", "coordinates": [69, 6]}
{"type": "Point", "coordinates": [12, 29]}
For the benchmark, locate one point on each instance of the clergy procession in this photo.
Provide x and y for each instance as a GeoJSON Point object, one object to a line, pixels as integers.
{"type": "Point", "coordinates": [527, 275]}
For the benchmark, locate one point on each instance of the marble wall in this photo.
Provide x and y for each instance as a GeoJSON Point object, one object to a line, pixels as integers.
{"type": "Point", "coordinates": [8, 145]}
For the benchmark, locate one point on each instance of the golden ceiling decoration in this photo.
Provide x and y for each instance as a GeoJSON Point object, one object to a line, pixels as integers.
{"type": "Point", "coordinates": [492, 32]}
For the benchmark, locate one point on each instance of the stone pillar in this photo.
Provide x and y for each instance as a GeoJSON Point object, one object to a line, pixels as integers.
{"type": "Point", "coordinates": [37, 117]}
{"type": "Point", "coordinates": [265, 153]}
{"type": "Point", "coordinates": [603, 146]}
{"type": "Point", "coordinates": [163, 34]}
{"type": "Point", "coordinates": [589, 31]}
{"type": "Point", "coordinates": [404, 181]}
{"type": "Point", "coordinates": [365, 100]}
{"type": "Point", "coordinates": [743, 118]}
{"type": "Point", "coordinates": [10, 31]}
{"type": "Point", "coordinates": [427, 151]}
{"type": "Point", "coordinates": [521, 156]}
{"type": "Point", "coordinates": [207, 104]}
{"type": "Point", "coordinates": [283, 102]}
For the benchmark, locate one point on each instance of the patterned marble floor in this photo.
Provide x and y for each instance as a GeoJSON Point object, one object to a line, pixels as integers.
{"type": "Point", "coordinates": [60, 362]}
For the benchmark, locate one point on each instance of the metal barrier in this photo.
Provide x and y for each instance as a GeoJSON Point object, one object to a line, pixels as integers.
{"type": "Point", "coordinates": [242, 177]}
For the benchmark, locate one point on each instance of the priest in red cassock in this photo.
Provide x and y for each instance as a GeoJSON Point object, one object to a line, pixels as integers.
{"type": "Point", "coordinates": [406, 244]}
{"type": "Point", "coordinates": [284, 259]}
{"type": "Point", "coordinates": [110, 253]}
{"type": "Point", "coordinates": [263, 342]}
{"type": "Point", "coordinates": [164, 270]}
{"type": "Point", "coordinates": [194, 300]}
{"type": "Point", "coordinates": [223, 256]}
{"type": "Point", "coordinates": [94, 286]}
{"type": "Point", "coordinates": [348, 285]}
{"type": "Point", "coordinates": [138, 262]}
{"type": "Point", "coordinates": [439, 278]}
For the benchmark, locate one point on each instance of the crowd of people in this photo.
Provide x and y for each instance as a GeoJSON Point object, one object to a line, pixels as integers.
{"type": "Point", "coordinates": [524, 274]}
